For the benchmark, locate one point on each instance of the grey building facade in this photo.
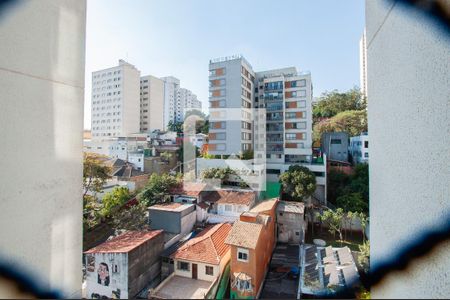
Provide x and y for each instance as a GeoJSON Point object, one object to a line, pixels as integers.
{"type": "Point", "coordinates": [335, 145]}
{"type": "Point", "coordinates": [174, 218]}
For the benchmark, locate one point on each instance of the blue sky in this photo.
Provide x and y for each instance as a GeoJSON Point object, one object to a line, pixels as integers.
{"type": "Point", "coordinates": [178, 37]}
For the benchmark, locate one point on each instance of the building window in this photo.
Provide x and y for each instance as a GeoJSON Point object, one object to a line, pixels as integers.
{"type": "Point", "coordinates": [273, 171]}
{"type": "Point", "coordinates": [242, 254]}
{"type": "Point", "coordinates": [228, 207]}
{"type": "Point", "coordinates": [115, 268]}
{"type": "Point", "coordinates": [366, 144]}
{"type": "Point", "coordinates": [366, 155]}
{"type": "Point", "coordinates": [183, 266]}
{"type": "Point", "coordinates": [336, 141]}
{"type": "Point", "coordinates": [209, 270]}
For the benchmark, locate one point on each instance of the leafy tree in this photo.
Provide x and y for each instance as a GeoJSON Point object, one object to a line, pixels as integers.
{"type": "Point", "coordinates": [114, 200]}
{"type": "Point", "coordinates": [299, 182]}
{"type": "Point", "coordinates": [350, 192]}
{"type": "Point", "coordinates": [364, 219]}
{"type": "Point", "coordinates": [364, 256]}
{"type": "Point", "coordinates": [352, 202]}
{"type": "Point", "coordinates": [334, 220]}
{"type": "Point", "coordinates": [157, 188]}
{"type": "Point", "coordinates": [334, 102]}
{"type": "Point", "coordinates": [165, 156]}
{"type": "Point", "coordinates": [95, 174]}
{"type": "Point", "coordinates": [133, 217]}
{"type": "Point", "coordinates": [248, 154]}
{"type": "Point", "coordinates": [351, 121]}
{"type": "Point", "coordinates": [175, 126]}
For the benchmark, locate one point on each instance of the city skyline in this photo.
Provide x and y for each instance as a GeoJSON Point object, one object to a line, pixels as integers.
{"type": "Point", "coordinates": [154, 33]}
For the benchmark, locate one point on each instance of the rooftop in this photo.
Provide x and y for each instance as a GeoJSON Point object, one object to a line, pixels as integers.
{"type": "Point", "coordinates": [244, 234]}
{"type": "Point", "coordinates": [230, 197]}
{"type": "Point", "coordinates": [126, 242]}
{"type": "Point", "coordinates": [192, 189]}
{"type": "Point", "coordinates": [208, 246]}
{"type": "Point", "coordinates": [171, 206]}
{"type": "Point", "coordinates": [265, 206]}
{"type": "Point", "coordinates": [292, 207]}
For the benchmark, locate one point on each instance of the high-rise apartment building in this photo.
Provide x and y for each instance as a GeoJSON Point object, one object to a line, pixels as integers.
{"type": "Point", "coordinates": [285, 94]}
{"type": "Point", "coordinates": [185, 100]}
{"type": "Point", "coordinates": [231, 85]}
{"type": "Point", "coordinates": [115, 101]}
{"type": "Point", "coordinates": [152, 104]}
{"type": "Point", "coordinates": [171, 84]}
{"type": "Point", "coordinates": [363, 64]}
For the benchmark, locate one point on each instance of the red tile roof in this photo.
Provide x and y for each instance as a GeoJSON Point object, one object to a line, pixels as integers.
{"type": "Point", "coordinates": [207, 247]}
{"type": "Point", "coordinates": [230, 197]}
{"type": "Point", "coordinates": [126, 242]}
{"type": "Point", "coordinates": [188, 189]}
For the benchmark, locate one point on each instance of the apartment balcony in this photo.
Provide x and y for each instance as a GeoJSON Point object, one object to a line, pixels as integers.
{"type": "Point", "coordinates": [274, 108]}
{"type": "Point", "coordinates": [275, 140]}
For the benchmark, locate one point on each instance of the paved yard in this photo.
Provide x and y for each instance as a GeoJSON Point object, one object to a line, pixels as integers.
{"type": "Point", "coordinates": [178, 287]}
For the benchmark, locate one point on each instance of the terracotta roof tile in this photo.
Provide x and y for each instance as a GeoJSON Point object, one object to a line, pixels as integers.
{"type": "Point", "coordinates": [231, 197]}
{"type": "Point", "coordinates": [244, 234]}
{"type": "Point", "coordinates": [126, 242]}
{"type": "Point", "coordinates": [265, 206]}
{"type": "Point", "coordinates": [208, 246]}
{"type": "Point", "coordinates": [192, 189]}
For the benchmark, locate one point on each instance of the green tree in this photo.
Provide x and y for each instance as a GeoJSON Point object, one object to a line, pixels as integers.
{"type": "Point", "coordinates": [351, 121]}
{"type": "Point", "coordinates": [352, 202]}
{"type": "Point", "coordinates": [364, 219]}
{"type": "Point", "coordinates": [95, 174]}
{"type": "Point", "coordinates": [247, 154]}
{"type": "Point", "coordinates": [157, 188]}
{"type": "Point", "coordinates": [165, 156]}
{"type": "Point", "coordinates": [298, 182]}
{"type": "Point", "coordinates": [334, 102]}
{"type": "Point", "coordinates": [175, 126]}
{"type": "Point", "coordinates": [334, 220]}
{"type": "Point", "coordinates": [364, 256]}
{"type": "Point", "coordinates": [350, 192]}
{"type": "Point", "coordinates": [133, 217]}
{"type": "Point", "coordinates": [114, 200]}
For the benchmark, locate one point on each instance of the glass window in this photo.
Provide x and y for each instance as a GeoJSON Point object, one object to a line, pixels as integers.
{"type": "Point", "coordinates": [242, 254]}
{"type": "Point", "coordinates": [209, 270]}
{"type": "Point", "coordinates": [184, 266]}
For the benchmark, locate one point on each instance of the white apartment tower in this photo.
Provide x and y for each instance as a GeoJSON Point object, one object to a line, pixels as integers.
{"type": "Point", "coordinates": [363, 64]}
{"type": "Point", "coordinates": [185, 100]}
{"type": "Point", "coordinates": [152, 104]}
{"type": "Point", "coordinates": [171, 85]}
{"type": "Point", "coordinates": [115, 101]}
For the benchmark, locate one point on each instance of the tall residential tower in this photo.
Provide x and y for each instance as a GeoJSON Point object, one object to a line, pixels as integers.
{"type": "Point", "coordinates": [115, 101]}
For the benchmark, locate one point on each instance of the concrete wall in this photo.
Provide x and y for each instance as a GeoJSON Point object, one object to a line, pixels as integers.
{"type": "Point", "coordinates": [130, 100]}
{"type": "Point", "coordinates": [116, 283]}
{"type": "Point", "coordinates": [173, 222]}
{"type": "Point", "coordinates": [288, 225]}
{"type": "Point", "coordinates": [408, 88]}
{"type": "Point", "coordinates": [335, 151]}
{"type": "Point", "coordinates": [144, 264]}
{"type": "Point", "coordinates": [201, 275]}
{"type": "Point", "coordinates": [42, 56]}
